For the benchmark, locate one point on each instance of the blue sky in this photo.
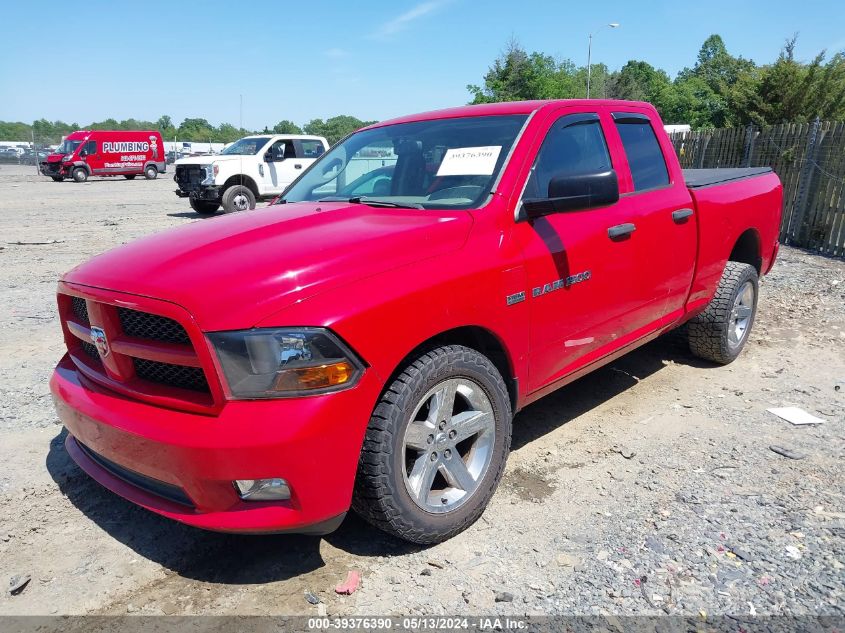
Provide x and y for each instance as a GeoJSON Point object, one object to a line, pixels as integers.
{"type": "Point", "coordinates": [372, 59]}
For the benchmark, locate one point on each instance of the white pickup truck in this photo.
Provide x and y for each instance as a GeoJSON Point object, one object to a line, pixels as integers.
{"type": "Point", "coordinates": [252, 168]}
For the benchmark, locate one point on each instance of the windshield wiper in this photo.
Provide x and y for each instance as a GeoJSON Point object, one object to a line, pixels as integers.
{"type": "Point", "coordinates": [373, 203]}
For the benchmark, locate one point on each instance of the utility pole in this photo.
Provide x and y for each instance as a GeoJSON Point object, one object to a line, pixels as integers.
{"type": "Point", "coordinates": [612, 25]}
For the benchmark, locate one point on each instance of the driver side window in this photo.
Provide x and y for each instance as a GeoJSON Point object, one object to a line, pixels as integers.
{"type": "Point", "coordinates": [572, 146]}
{"type": "Point", "coordinates": [277, 150]}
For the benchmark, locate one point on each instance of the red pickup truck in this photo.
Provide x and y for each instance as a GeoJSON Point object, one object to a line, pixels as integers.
{"type": "Point", "coordinates": [366, 341]}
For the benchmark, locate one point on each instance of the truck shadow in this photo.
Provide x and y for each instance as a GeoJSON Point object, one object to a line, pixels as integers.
{"type": "Point", "coordinates": [193, 215]}
{"type": "Point", "coordinates": [599, 386]}
{"type": "Point", "coordinates": [241, 559]}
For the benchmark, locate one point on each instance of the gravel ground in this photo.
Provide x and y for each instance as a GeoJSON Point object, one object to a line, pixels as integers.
{"type": "Point", "coordinates": [648, 487]}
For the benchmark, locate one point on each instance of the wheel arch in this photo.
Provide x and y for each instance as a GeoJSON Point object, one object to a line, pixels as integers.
{"type": "Point", "coordinates": [746, 249]}
{"type": "Point", "coordinates": [476, 337]}
{"type": "Point", "coordinates": [241, 179]}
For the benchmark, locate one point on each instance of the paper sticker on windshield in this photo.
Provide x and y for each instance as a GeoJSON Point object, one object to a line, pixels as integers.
{"type": "Point", "coordinates": [470, 161]}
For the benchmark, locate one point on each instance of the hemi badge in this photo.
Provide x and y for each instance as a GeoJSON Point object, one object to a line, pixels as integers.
{"type": "Point", "coordinates": [515, 298]}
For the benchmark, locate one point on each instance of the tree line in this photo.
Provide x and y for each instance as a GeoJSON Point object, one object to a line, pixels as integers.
{"type": "Point", "coordinates": [719, 90]}
{"type": "Point", "coordinates": [191, 129]}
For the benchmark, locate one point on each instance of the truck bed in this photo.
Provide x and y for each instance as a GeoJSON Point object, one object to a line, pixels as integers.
{"type": "Point", "coordinates": [698, 178]}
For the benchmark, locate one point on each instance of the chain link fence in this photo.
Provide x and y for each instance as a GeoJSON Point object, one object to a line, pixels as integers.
{"type": "Point", "coordinates": [809, 158]}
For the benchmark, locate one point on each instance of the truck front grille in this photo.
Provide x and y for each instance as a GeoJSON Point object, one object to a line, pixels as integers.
{"type": "Point", "coordinates": [51, 169]}
{"type": "Point", "coordinates": [189, 175]}
{"type": "Point", "coordinates": [192, 378]}
{"type": "Point", "coordinates": [149, 356]}
{"type": "Point", "coordinates": [152, 326]}
{"type": "Point", "coordinates": [80, 309]}
{"type": "Point", "coordinates": [91, 350]}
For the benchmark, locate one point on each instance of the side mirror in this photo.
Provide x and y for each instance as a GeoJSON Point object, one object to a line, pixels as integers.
{"type": "Point", "coordinates": [83, 154]}
{"type": "Point", "coordinates": [268, 157]}
{"type": "Point", "coordinates": [574, 192]}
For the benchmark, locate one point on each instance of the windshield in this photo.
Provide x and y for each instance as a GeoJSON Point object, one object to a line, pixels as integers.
{"type": "Point", "coordinates": [425, 164]}
{"type": "Point", "coordinates": [68, 147]}
{"type": "Point", "coordinates": [249, 146]}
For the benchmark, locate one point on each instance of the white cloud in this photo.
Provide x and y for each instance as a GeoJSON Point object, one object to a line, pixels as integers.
{"type": "Point", "coordinates": [402, 22]}
{"type": "Point", "coordinates": [335, 53]}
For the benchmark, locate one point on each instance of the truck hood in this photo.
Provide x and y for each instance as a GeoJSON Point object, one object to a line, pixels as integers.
{"type": "Point", "coordinates": [53, 158]}
{"type": "Point", "coordinates": [230, 272]}
{"type": "Point", "coordinates": [207, 160]}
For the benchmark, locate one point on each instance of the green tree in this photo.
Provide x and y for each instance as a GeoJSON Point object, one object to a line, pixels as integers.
{"type": "Point", "coordinates": [286, 127]}
{"type": "Point", "coordinates": [639, 81]}
{"type": "Point", "coordinates": [335, 128]}
{"type": "Point", "coordinates": [517, 75]}
{"type": "Point", "coordinates": [791, 91]}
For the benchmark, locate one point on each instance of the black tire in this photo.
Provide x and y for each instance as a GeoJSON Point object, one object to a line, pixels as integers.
{"type": "Point", "coordinates": [80, 174]}
{"type": "Point", "coordinates": [238, 198]}
{"type": "Point", "coordinates": [712, 334]}
{"type": "Point", "coordinates": [57, 178]}
{"type": "Point", "coordinates": [381, 495]}
{"type": "Point", "coordinates": [150, 172]}
{"type": "Point", "coordinates": [129, 176]}
{"type": "Point", "coordinates": [204, 207]}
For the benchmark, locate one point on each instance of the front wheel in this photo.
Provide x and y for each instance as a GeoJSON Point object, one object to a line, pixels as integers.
{"type": "Point", "coordinates": [238, 198]}
{"type": "Point", "coordinates": [204, 207]}
{"type": "Point", "coordinates": [436, 446]}
{"type": "Point", "coordinates": [720, 332]}
{"type": "Point", "coordinates": [80, 174]}
{"type": "Point", "coordinates": [57, 178]}
{"type": "Point", "coordinates": [150, 173]}
{"type": "Point", "coordinates": [129, 176]}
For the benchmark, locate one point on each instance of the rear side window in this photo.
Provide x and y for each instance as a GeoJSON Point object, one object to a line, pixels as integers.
{"type": "Point", "coordinates": [570, 148]}
{"type": "Point", "coordinates": [648, 167]}
{"type": "Point", "coordinates": [312, 149]}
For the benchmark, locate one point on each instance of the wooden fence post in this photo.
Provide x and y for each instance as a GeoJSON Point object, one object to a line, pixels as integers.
{"type": "Point", "coordinates": [749, 145]}
{"type": "Point", "coordinates": [796, 233]}
{"type": "Point", "coordinates": [705, 141]}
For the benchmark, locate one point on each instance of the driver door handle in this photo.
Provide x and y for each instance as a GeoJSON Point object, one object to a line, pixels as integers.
{"type": "Point", "coordinates": [297, 166]}
{"type": "Point", "coordinates": [681, 215]}
{"type": "Point", "coordinates": [621, 230]}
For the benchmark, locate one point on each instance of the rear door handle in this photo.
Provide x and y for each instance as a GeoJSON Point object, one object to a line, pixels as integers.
{"type": "Point", "coordinates": [297, 166]}
{"type": "Point", "coordinates": [620, 230]}
{"type": "Point", "coordinates": [681, 215]}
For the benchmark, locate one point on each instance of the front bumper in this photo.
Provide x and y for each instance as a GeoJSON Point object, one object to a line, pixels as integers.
{"type": "Point", "coordinates": [52, 169]}
{"type": "Point", "coordinates": [199, 192]}
{"type": "Point", "coordinates": [181, 465]}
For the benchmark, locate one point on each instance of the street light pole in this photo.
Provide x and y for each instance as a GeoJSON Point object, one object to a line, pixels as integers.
{"type": "Point", "coordinates": [612, 25]}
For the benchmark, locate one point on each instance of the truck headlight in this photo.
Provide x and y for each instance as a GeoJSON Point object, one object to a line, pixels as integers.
{"type": "Point", "coordinates": [211, 172]}
{"type": "Point", "coordinates": [66, 157]}
{"type": "Point", "coordinates": [284, 362]}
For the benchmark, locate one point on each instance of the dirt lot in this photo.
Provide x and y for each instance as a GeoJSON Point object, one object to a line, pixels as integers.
{"type": "Point", "coordinates": [648, 487]}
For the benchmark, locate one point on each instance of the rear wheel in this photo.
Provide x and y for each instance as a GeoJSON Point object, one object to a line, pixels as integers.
{"type": "Point", "coordinates": [204, 207]}
{"type": "Point", "coordinates": [80, 174]}
{"type": "Point", "coordinates": [436, 446]}
{"type": "Point", "coordinates": [238, 198]}
{"type": "Point", "coordinates": [720, 332]}
{"type": "Point", "coordinates": [150, 173]}
{"type": "Point", "coordinates": [129, 176]}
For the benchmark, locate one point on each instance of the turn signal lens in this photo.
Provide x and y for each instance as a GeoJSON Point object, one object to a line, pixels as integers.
{"type": "Point", "coordinates": [320, 377]}
{"type": "Point", "coordinates": [285, 362]}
